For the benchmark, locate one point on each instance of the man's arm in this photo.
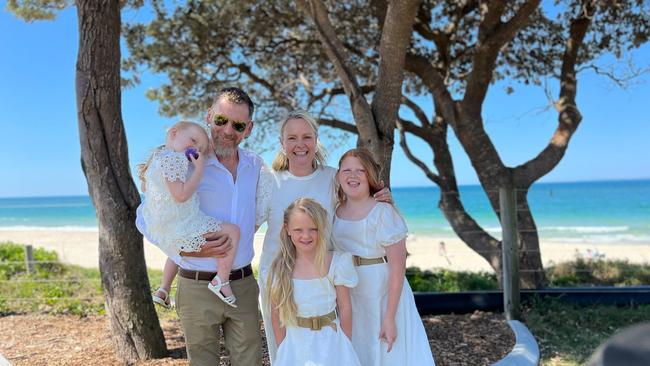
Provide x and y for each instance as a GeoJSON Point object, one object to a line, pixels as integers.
{"type": "Point", "coordinates": [217, 245]}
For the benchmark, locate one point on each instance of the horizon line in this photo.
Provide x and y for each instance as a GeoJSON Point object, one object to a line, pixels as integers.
{"type": "Point", "coordinates": [397, 187]}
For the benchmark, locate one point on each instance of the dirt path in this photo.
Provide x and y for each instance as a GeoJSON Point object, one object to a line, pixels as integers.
{"type": "Point", "coordinates": [456, 340]}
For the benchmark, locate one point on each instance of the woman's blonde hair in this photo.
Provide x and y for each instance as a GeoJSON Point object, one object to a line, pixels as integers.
{"type": "Point", "coordinates": [280, 284]}
{"type": "Point", "coordinates": [281, 161]}
{"type": "Point", "coordinates": [181, 125]}
{"type": "Point", "coordinates": [369, 164]}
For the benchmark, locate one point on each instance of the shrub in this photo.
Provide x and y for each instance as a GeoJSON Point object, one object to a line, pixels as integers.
{"type": "Point", "coordinates": [449, 281]}
{"type": "Point", "coordinates": [12, 261]}
{"type": "Point", "coordinates": [600, 272]}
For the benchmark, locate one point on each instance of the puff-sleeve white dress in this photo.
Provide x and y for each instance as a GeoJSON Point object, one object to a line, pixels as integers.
{"type": "Point", "coordinates": [368, 238]}
{"type": "Point", "coordinates": [317, 297]}
{"type": "Point", "coordinates": [173, 226]}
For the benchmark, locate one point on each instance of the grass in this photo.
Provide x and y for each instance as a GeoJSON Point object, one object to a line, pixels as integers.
{"type": "Point", "coordinates": [53, 287]}
{"type": "Point", "coordinates": [567, 334]}
{"type": "Point", "coordinates": [581, 272]}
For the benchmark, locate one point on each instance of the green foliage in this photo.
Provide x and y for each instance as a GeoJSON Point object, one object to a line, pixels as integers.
{"type": "Point", "coordinates": [272, 49]}
{"type": "Point", "coordinates": [449, 281]}
{"type": "Point", "coordinates": [582, 272]}
{"type": "Point", "coordinates": [567, 334]}
{"type": "Point", "coordinates": [31, 10]}
{"type": "Point", "coordinates": [12, 261]}
{"type": "Point", "coordinates": [576, 273]}
{"type": "Point", "coordinates": [54, 288]}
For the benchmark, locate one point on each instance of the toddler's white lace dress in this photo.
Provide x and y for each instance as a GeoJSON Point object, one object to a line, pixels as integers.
{"type": "Point", "coordinates": [173, 226]}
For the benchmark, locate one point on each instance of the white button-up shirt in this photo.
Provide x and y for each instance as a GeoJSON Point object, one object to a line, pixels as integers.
{"type": "Point", "coordinates": [227, 200]}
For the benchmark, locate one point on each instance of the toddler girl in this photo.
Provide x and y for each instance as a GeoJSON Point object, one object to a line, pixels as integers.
{"type": "Point", "coordinates": [171, 207]}
{"type": "Point", "coordinates": [306, 285]}
{"type": "Point", "coordinates": [387, 327]}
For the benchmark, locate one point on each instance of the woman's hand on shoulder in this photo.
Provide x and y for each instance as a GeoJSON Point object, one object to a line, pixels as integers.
{"type": "Point", "coordinates": [384, 194]}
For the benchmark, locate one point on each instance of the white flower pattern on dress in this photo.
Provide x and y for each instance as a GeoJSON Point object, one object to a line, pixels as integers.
{"type": "Point", "coordinates": [173, 165]}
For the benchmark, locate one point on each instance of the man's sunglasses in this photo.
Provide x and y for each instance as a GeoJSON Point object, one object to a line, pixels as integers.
{"type": "Point", "coordinates": [220, 120]}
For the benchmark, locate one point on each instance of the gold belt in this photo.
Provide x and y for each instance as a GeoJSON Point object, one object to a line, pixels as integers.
{"type": "Point", "coordinates": [360, 261]}
{"type": "Point", "coordinates": [318, 322]}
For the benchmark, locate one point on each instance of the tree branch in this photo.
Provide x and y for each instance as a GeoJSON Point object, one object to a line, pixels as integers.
{"type": "Point", "coordinates": [335, 123]}
{"type": "Point", "coordinates": [316, 10]}
{"type": "Point", "coordinates": [402, 141]}
{"type": "Point", "coordinates": [492, 36]}
{"type": "Point", "coordinates": [569, 116]}
{"type": "Point", "coordinates": [419, 113]}
{"type": "Point", "coordinates": [411, 127]}
{"type": "Point", "coordinates": [396, 35]}
{"type": "Point", "coordinates": [432, 79]}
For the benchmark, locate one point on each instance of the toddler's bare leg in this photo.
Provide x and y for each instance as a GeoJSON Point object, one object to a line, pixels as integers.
{"type": "Point", "coordinates": [169, 272]}
{"type": "Point", "coordinates": [224, 264]}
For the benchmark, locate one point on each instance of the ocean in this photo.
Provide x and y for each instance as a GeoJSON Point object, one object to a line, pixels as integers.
{"type": "Point", "coordinates": [581, 212]}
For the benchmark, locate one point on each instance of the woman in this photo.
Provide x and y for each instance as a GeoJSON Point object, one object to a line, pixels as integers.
{"type": "Point", "coordinates": [299, 171]}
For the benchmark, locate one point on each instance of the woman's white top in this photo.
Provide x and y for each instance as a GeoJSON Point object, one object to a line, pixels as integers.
{"type": "Point", "coordinates": [276, 191]}
{"type": "Point", "coordinates": [173, 226]}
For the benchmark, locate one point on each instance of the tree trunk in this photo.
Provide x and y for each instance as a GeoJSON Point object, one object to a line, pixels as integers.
{"type": "Point", "coordinates": [104, 158]}
{"type": "Point", "coordinates": [451, 205]}
{"type": "Point", "coordinates": [531, 269]}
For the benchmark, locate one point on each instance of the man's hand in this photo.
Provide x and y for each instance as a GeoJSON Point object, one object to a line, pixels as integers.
{"type": "Point", "coordinates": [217, 245]}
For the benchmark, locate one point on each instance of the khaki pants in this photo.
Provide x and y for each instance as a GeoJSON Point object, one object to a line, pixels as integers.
{"type": "Point", "coordinates": [201, 314]}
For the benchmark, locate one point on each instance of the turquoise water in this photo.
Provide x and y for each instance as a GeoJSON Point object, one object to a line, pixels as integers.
{"type": "Point", "coordinates": [608, 211]}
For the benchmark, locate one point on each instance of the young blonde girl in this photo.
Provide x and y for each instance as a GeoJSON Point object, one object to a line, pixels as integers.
{"type": "Point", "coordinates": [388, 329]}
{"type": "Point", "coordinates": [306, 286]}
{"type": "Point", "coordinates": [171, 207]}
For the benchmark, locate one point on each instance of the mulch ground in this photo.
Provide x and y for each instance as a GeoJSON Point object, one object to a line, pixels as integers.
{"type": "Point", "coordinates": [456, 340]}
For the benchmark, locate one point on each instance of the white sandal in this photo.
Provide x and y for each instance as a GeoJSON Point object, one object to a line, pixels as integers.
{"type": "Point", "coordinates": [162, 301]}
{"type": "Point", "coordinates": [229, 300]}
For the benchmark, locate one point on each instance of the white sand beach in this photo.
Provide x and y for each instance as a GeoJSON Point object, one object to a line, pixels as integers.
{"type": "Point", "coordinates": [80, 248]}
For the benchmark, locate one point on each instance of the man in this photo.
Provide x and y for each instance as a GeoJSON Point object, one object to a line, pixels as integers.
{"type": "Point", "coordinates": [227, 193]}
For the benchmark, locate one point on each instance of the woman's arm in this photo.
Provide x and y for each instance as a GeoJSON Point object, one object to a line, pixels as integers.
{"type": "Point", "coordinates": [279, 331]}
{"type": "Point", "coordinates": [345, 309]}
{"type": "Point", "coordinates": [396, 254]}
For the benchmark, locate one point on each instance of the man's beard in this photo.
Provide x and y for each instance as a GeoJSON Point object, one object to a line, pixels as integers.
{"type": "Point", "coordinates": [225, 151]}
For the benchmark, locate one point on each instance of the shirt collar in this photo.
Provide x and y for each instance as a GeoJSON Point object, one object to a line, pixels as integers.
{"type": "Point", "coordinates": [245, 159]}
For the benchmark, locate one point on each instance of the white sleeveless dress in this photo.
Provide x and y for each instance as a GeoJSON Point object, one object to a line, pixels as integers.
{"type": "Point", "coordinates": [368, 238]}
{"type": "Point", "coordinates": [317, 297]}
{"type": "Point", "coordinates": [173, 226]}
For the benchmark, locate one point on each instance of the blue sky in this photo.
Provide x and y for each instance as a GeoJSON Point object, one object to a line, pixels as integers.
{"type": "Point", "coordinates": [40, 153]}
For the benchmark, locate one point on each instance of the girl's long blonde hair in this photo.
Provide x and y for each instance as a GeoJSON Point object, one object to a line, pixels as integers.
{"type": "Point", "coordinates": [369, 164]}
{"type": "Point", "coordinates": [280, 285]}
{"type": "Point", "coordinates": [281, 161]}
{"type": "Point", "coordinates": [181, 125]}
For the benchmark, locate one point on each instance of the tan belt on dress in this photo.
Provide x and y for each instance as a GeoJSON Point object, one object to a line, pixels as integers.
{"type": "Point", "coordinates": [318, 322]}
{"type": "Point", "coordinates": [360, 261]}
